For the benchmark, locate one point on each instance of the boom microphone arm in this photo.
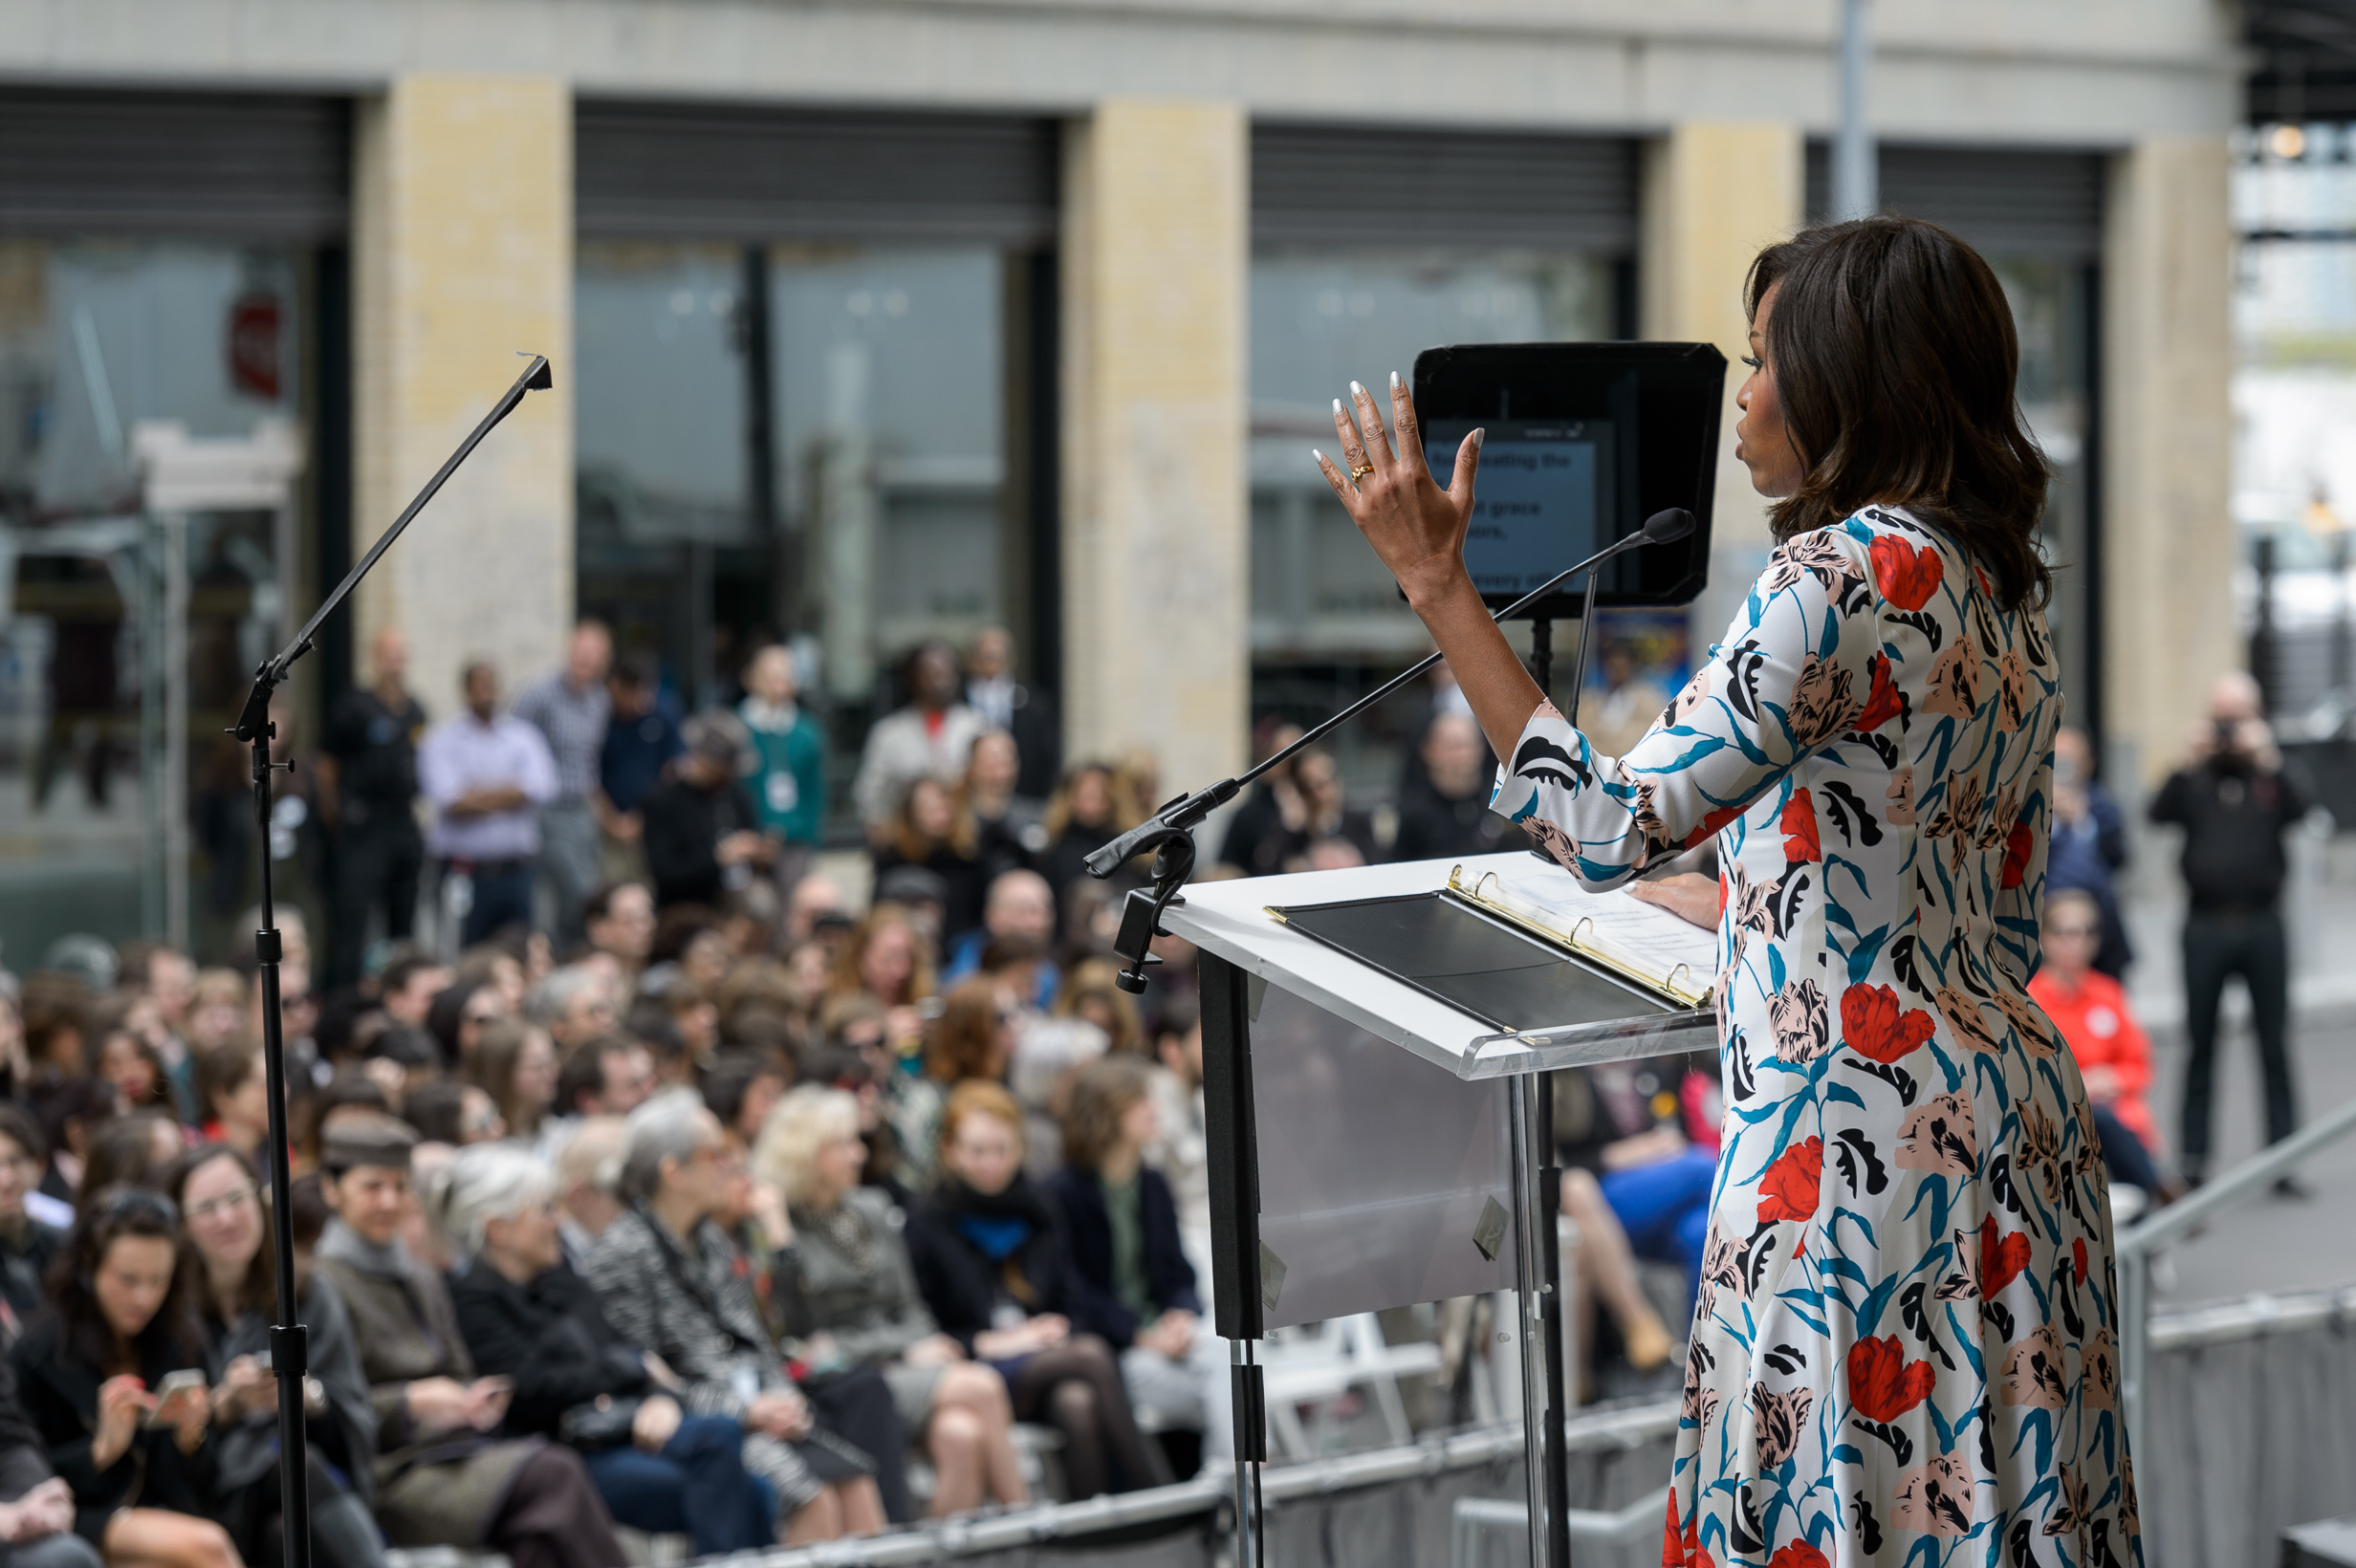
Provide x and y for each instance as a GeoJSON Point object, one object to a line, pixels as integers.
{"type": "Point", "coordinates": [1170, 831]}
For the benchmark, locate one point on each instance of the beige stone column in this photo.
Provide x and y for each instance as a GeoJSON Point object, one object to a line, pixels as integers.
{"type": "Point", "coordinates": [2168, 528]}
{"type": "Point", "coordinates": [462, 252]}
{"type": "Point", "coordinates": [1714, 194]}
{"type": "Point", "coordinates": [1156, 579]}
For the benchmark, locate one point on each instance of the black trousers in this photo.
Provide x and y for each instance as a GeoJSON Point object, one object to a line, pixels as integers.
{"type": "Point", "coordinates": [375, 863]}
{"type": "Point", "coordinates": [2216, 946]}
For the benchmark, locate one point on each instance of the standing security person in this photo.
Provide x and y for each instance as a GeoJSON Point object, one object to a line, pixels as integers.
{"type": "Point", "coordinates": [367, 793]}
{"type": "Point", "coordinates": [2234, 802]}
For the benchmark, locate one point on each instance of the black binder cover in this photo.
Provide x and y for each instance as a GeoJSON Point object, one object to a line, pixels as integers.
{"type": "Point", "coordinates": [1481, 967]}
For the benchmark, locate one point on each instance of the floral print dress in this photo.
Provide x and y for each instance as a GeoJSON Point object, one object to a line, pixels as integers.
{"type": "Point", "coordinates": [1905, 1350]}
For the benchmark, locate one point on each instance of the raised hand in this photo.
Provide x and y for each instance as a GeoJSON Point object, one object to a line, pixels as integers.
{"type": "Point", "coordinates": [1417, 528]}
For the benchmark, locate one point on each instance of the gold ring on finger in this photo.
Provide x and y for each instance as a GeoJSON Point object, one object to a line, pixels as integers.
{"type": "Point", "coordinates": [1361, 472]}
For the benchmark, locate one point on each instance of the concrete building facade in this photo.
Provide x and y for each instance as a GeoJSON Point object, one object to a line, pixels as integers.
{"type": "Point", "coordinates": [1131, 526]}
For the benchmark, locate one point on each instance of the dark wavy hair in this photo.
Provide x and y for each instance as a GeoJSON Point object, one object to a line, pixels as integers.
{"type": "Point", "coordinates": [1895, 363]}
{"type": "Point", "coordinates": [104, 1219]}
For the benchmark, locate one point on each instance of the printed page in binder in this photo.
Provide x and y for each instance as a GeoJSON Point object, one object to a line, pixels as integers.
{"type": "Point", "coordinates": [1638, 936]}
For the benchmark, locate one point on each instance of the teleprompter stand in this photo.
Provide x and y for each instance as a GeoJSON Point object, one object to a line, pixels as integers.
{"type": "Point", "coordinates": [1372, 1145]}
{"type": "Point", "coordinates": [290, 1352]}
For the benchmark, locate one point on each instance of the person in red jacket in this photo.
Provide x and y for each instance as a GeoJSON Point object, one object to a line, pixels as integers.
{"type": "Point", "coordinates": [2114, 1055]}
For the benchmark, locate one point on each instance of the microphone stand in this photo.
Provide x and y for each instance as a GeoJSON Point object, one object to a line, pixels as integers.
{"type": "Point", "coordinates": [1170, 831]}
{"type": "Point", "coordinates": [289, 1342]}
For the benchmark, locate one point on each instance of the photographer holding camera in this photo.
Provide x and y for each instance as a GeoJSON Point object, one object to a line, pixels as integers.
{"type": "Point", "coordinates": [2234, 802]}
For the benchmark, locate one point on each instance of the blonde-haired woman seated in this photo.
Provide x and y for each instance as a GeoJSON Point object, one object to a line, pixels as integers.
{"type": "Point", "coordinates": [849, 1293]}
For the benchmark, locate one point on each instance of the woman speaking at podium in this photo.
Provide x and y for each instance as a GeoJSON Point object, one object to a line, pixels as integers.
{"type": "Point", "coordinates": [1906, 1320]}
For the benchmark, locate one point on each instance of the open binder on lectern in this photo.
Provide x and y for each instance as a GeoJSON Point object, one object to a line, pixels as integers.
{"type": "Point", "coordinates": [1359, 1030]}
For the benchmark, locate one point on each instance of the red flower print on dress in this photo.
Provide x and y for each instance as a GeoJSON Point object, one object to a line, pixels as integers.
{"type": "Point", "coordinates": [2000, 1258]}
{"type": "Point", "coordinates": [2016, 846]}
{"type": "Point", "coordinates": [1882, 701]}
{"type": "Point", "coordinates": [1883, 1383]}
{"type": "Point", "coordinates": [1907, 576]}
{"type": "Point", "coordinates": [1788, 1186]}
{"type": "Point", "coordinates": [2078, 1257]}
{"type": "Point", "coordinates": [1798, 1555]}
{"type": "Point", "coordinates": [1873, 1024]}
{"type": "Point", "coordinates": [1797, 825]}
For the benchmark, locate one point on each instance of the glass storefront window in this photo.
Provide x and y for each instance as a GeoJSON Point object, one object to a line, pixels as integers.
{"type": "Point", "coordinates": [798, 440]}
{"type": "Point", "coordinates": [891, 446]}
{"type": "Point", "coordinates": [1327, 622]}
{"type": "Point", "coordinates": [97, 340]}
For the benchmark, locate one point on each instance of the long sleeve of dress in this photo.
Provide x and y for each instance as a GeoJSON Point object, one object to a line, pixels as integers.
{"type": "Point", "coordinates": [1801, 665]}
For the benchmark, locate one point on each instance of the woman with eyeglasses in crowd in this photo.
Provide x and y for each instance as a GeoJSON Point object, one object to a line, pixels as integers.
{"type": "Point", "coordinates": [89, 1374]}
{"type": "Point", "coordinates": [226, 1218]}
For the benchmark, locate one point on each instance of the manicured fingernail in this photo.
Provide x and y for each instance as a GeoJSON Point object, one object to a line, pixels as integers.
{"type": "Point", "coordinates": [1356, 391]}
{"type": "Point", "coordinates": [1478, 435]}
{"type": "Point", "coordinates": [1320, 456]}
{"type": "Point", "coordinates": [1395, 382]}
{"type": "Point", "coordinates": [1337, 405]}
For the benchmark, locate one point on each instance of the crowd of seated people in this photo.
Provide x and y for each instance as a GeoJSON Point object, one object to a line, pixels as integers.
{"type": "Point", "coordinates": [738, 1229]}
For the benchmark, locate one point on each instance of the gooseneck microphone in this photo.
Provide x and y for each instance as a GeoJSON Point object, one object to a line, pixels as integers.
{"type": "Point", "coordinates": [1172, 829]}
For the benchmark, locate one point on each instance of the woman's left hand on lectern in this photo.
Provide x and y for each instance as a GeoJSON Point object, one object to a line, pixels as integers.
{"type": "Point", "coordinates": [1687, 895]}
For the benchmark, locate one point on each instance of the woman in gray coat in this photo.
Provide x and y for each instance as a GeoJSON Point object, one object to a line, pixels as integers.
{"type": "Point", "coordinates": [849, 1294]}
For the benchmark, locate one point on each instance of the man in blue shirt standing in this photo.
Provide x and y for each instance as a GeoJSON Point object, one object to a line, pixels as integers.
{"type": "Point", "coordinates": [487, 775]}
{"type": "Point", "coordinates": [789, 751]}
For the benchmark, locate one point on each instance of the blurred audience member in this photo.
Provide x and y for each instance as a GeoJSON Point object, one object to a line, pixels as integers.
{"type": "Point", "coordinates": [367, 792]}
{"type": "Point", "coordinates": [407, 989]}
{"type": "Point", "coordinates": [1622, 703]}
{"type": "Point", "coordinates": [1133, 1286]}
{"type": "Point", "coordinates": [121, 1053]}
{"type": "Point", "coordinates": [1084, 817]}
{"type": "Point", "coordinates": [516, 1066]}
{"type": "Point", "coordinates": [1021, 906]}
{"type": "Point", "coordinates": [228, 1218]}
{"type": "Point", "coordinates": [589, 1182]}
{"type": "Point", "coordinates": [789, 753]}
{"type": "Point", "coordinates": [234, 1094]}
{"type": "Point", "coordinates": [703, 835]}
{"type": "Point", "coordinates": [641, 741]}
{"type": "Point", "coordinates": [1093, 995]}
{"type": "Point", "coordinates": [933, 830]}
{"type": "Point", "coordinates": [2234, 800]}
{"type": "Point", "coordinates": [886, 959]}
{"type": "Point", "coordinates": [611, 1075]}
{"type": "Point", "coordinates": [442, 1478]}
{"type": "Point", "coordinates": [850, 1297]}
{"type": "Point", "coordinates": [486, 775]}
{"type": "Point", "coordinates": [122, 1319]}
{"type": "Point", "coordinates": [672, 1283]}
{"type": "Point", "coordinates": [2112, 1052]}
{"type": "Point", "coordinates": [1025, 714]}
{"type": "Point", "coordinates": [528, 1317]}
{"type": "Point", "coordinates": [28, 1243]}
{"type": "Point", "coordinates": [992, 1263]}
{"type": "Point", "coordinates": [619, 920]}
{"type": "Point", "coordinates": [1260, 834]}
{"type": "Point", "coordinates": [929, 739]}
{"type": "Point", "coordinates": [1444, 810]}
{"type": "Point", "coordinates": [572, 709]}
{"type": "Point", "coordinates": [1008, 824]}
{"type": "Point", "coordinates": [2088, 845]}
